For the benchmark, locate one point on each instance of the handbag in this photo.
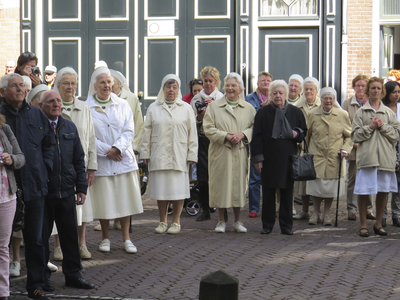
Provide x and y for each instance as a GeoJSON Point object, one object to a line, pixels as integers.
{"type": "Point", "coordinates": [303, 166]}
{"type": "Point", "coordinates": [19, 217]}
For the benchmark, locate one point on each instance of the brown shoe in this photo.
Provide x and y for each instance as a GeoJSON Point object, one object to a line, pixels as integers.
{"type": "Point", "coordinates": [370, 216]}
{"type": "Point", "coordinates": [351, 216]}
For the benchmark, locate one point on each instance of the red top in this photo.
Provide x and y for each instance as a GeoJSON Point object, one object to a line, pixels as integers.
{"type": "Point", "coordinates": [187, 98]}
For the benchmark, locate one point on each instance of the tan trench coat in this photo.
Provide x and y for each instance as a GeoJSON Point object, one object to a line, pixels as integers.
{"type": "Point", "coordinates": [305, 108]}
{"type": "Point", "coordinates": [227, 163]}
{"type": "Point", "coordinates": [326, 136]}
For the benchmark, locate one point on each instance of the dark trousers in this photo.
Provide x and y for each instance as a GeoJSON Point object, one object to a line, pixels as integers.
{"type": "Point", "coordinates": [63, 212]}
{"type": "Point", "coordinates": [34, 248]}
{"type": "Point", "coordinates": [204, 195]}
{"type": "Point", "coordinates": [285, 210]}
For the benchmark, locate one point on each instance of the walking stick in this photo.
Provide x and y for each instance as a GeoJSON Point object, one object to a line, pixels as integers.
{"type": "Point", "coordinates": [338, 189]}
{"type": "Point", "coordinates": [130, 224]}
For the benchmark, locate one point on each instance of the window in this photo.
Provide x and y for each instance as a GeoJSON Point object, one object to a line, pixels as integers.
{"type": "Point", "coordinates": [289, 8]}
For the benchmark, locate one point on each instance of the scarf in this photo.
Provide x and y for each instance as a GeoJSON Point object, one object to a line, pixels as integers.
{"type": "Point", "coordinates": [213, 95]}
{"type": "Point", "coordinates": [262, 98]}
{"type": "Point", "coordinates": [282, 128]}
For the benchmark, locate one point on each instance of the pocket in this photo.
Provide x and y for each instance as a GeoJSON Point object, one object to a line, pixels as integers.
{"type": "Point", "coordinates": [35, 134]}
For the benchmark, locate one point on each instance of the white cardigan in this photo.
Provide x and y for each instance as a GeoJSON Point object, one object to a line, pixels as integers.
{"type": "Point", "coordinates": [113, 129]}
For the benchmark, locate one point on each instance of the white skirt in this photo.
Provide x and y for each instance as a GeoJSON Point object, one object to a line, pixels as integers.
{"type": "Point", "coordinates": [371, 181]}
{"type": "Point", "coordinates": [84, 212]}
{"type": "Point", "coordinates": [325, 188]}
{"type": "Point", "coordinates": [116, 196]}
{"type": "Point", "coordinates": [169, 185]}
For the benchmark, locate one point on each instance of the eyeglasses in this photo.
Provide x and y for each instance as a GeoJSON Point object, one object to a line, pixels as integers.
{"type": "Point", "coordinates": [66, 83]}
{"type": "Point", "coordinates": [197, 82]}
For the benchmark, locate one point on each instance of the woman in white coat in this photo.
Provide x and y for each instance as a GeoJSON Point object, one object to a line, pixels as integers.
{"type": "Point", "coordinates": [116, 190]}
{"type": "Point", "coordinates": [169, 144]}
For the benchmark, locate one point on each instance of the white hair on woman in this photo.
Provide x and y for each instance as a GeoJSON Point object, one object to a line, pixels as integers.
{"type": "Point", "coordinates": [60, 74]}
{"type": "Point", "coordinates": [36, 90]}
{"type": "Point", "coordinates": [161, 96]}
{"type": "Point", "coordinates": [278, 83]}
{"type": "Point", "coordinates": [298, 78]}
{"type": "Point", "coordinates": [238, 79]}
{"type": "Point", "coordinates": [93, 79]}
{"type": "Point", "coordinates": [329, 91]}
{"type": "Point", "coordinates": [4, 80]}
{"type": "Point", "coordinates": [312, 80]}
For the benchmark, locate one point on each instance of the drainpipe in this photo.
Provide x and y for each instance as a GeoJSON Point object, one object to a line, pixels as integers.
{"type": "Point", "coordinates": [344, 51]}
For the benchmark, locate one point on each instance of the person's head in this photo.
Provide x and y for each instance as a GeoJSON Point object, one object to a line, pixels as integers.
{"type": "Point", "coordinates": [33, 97]}
{"type": "Point", "coordinates": [65, 83]}
{"type": "Point", "coordinates": [195, 86]}
{"type": "Point", "coordinates": [101, 83]}
{"type": "Point", "coordinates": [375, 89]}
{"type": "Point", "coordinates": [50, 74]}
{"type": "Point", "coordinates": [295, 86]}
{"type": "Point", "coordinates": [25, 62]}
{"type": "Point", "coordinates": [392, 92]}
{"type": "Point", "coordinates": [210, 77]}
{"type": "Point", "coordinates": [10, 66]}
{"type": "Point", "coordinates": [233, 86]}
{"type": "Point", "coordinates": [278, 91]}
{"type": "Point", "coordinates": [12, 87]}
{"type": "Point", "coordinates": [50, 104]}
{"type": "Point", "coordinates": [310, 89]}
{"type": "Point", "coordinates": [328, 98]}
{"type": "Point", "coordinates": [264, 80]}
{"type": "Point", "coordinates": [170, 88]}
{"type": "Point", "coordinates": [359, 83]}
{"type": "Point", "coordinates": [99, 64]}
{"type": "Point", "coordinates": [28, 84]}
{"type": "Point", "coordinates": [119, 82]}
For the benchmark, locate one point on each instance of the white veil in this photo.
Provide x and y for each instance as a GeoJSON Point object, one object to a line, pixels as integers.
{"type": "Point", "coordinates": [97, 72]}
{"type": "Point", "coordinates": [329, 91]}
{"type": "Point", "coordinates": [60, 74]}
{"type": "Point", "coordinates": [121, 78]}
{"type": "Point", "coordinates": [161, 96]}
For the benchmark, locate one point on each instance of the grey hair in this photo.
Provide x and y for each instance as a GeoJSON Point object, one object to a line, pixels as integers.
{"type": "Point", "coordinates": [65, 71]}
{"type": "Point", "coordinates": [238, 79]}
{"type": "Point", "coordinates": [278, 83]}
{"type": "Point", "coordinates": [4, 80]}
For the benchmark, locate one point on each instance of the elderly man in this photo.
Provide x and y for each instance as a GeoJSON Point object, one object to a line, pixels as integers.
{"type": "Point", "coordinates": [258, 99]}
{"type": "Point", "coordinates": [50, 74]}
{"type": "Point", "coordinates": [34, 135]}
{"type": "Point", "coordinates": [10, 66]}
{"type": "Point", "coordinates": [67, 178]}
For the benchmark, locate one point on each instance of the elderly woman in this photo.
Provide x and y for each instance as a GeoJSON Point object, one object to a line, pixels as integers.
{"type": "Point", "coordinates": [328, 134]}
{"type": "Point", "coordinates": [376, 130]}
{"type": "Point", "coordinates": [307, 102]}
{"type": "Point", "coordinates": [11, 159]}
{"type": "Point", "coordinates": [115, 192]}
{"type": "Point", "coordinates": [295, 88]}
{"type": "Point", "coordinates": [351, 105]}
{"type": "Point", "coordinates": [169, 144]}
{"type": "Point", "coordinates": [278, 128]}
{"type": "Point", "coordinates": [211, 81]}
{"type": "Point", "coordinates": [228, 124]}
{"type": "Point", "coordinates": [79, 113]}
{"type": "Point", "coordinates": [195, 86]}
{"type": "Point", "coordinates": [391, 100]}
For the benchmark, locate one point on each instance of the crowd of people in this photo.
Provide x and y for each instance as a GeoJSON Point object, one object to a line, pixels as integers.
{"type": "Point", "coordinates": [76, 161]}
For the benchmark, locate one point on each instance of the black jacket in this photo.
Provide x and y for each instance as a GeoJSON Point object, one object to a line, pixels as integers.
{"type": "Point", "coordinates": [36, 140]}
{"type": "Point", "coordinates": [68, 175]}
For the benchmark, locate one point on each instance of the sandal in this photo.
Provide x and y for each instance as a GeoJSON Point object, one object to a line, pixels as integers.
{"type": "Point", "coordinates": [364, 234]}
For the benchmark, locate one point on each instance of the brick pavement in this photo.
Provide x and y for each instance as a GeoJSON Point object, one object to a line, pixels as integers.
{"type": "Point", "coordinates": [315, 263]}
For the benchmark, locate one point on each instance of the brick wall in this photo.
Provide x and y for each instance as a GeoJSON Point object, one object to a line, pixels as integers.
{"type": "Point", "coordinates": [9, 33]}
{"type": "Point", "coordinates": [360, 39]}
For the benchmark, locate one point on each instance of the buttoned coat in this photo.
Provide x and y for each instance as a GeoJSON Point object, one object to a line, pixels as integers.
{"type": "Point", "coordinates": [227, 163]}
{"type": "Point", "coordinates": [169, 136]}
{"type": "Point", "coordinates": [304, 107]}
{"type": "Point", "coordinates": [326, 136]}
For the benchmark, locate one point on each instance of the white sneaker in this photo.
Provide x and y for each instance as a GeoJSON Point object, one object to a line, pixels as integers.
{"type": "Point", "coordinates": [175, 228]}
{"type": "Point", "coordinates": [97, 227]}
{"type": "Point", "coordinates": [129, 247]}
{"type": "Point", "coordinates": [220, 226]}
{"type": "Point", "coordinates": [302, 216]}
{"type": "Point", "coordinates": [58, 255]}
{"type": "Point", "coordinates": [15, 268]}
{"type": "Point", "coordinates": [294, 212]}
{"type": "Point", "coordinates": [238, 227]}
{"type": "Point", "coordinates": [52, 267]}
{"type": "Point", "coordinates": [327, 221]}
{"type": "Point", "coordinates": [105, 245]}
{"type": "Point", "coordinates": [84, 252]}
{"type": "Point", "coordinates": [161, 228]}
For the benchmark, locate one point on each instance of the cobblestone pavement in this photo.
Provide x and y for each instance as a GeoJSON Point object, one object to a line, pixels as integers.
{"type": "Point", "coordinates": [317, 262]}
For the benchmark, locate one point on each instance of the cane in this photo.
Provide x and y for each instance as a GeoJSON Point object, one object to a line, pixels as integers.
{"type": "Point", "coordinates": [338, 190]}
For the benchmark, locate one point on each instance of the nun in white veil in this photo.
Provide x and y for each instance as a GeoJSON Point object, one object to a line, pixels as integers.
{"type": "Point", "coordinates": [169, 145]}
{"type": "Point", "coordinates": [116, 189]}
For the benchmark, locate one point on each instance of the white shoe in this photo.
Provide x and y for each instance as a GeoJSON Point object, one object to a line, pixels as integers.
{"type": "Point", "coordinates": [302, 216]}
{"type": "Point", "coordinates": [84, 252]}
{"type": "Point", "coordinates": [97, 227]}
{"type": "Point", "coordinates": [220, 226]}
{"type": "Point", "coordinates": [175, 228]}
{"type": "Point", "coordinates": [117, 225]}
{"type": "Point", "coordinates": [238, 227]}
{"type": "Point", "coordinates": [52, 267]}
{"type": "Point", "coordinates": [327, 221]}
{"type": "Point", "coordinates": [58, 255]}
{"type": "Point", "coordinates": [15, 268]}
{"type": "Point", "coordinates": [161, 228]}
{"type": "Point", "coordinates": [105, 245]}
{"type": "Point", "coordinates": [129, 247]}
{"type": "Point", "coordinates": [294, 212]}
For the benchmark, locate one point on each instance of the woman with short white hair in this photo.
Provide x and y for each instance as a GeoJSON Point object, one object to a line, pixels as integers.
{"type": "Point", "coordinates": [295, 88]}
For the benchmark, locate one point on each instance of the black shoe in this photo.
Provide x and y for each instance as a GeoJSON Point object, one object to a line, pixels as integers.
{"type": "Point", "coordinates": [79, 283]}
{"type": "Point", "coordinates": [380, 231]}
{"type": "Point", "coordinates": [226, 215]}
{"type": "Point", "coordinates": [298, 201]}
{"type": "Point", "coordinates": [204, 216]}
{"type": "Point", "coordinates": [396, 222]}
{"type": "Point", "coordinates": [48, 287]}
{"type": "Point", "coordinates": [266, 231]}
{"type": "Point", "coordinates": [287, 232]}
{"type": "Point", "coordinates": [37, 295]}
{"type": "Point", "coordinates": [364, 234]}
{"type": "Point", "coordinates": [383, 222]}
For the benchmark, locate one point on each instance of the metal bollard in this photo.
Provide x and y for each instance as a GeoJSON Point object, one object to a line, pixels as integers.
{"type": "Point", "coordinates": [219, 286]}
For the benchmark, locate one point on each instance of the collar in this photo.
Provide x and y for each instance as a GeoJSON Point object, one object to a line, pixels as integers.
{"type": "Point", "coordinates": [224, 101]}
{"type": "Point", "coordinates": [320, 111]}
{"type": "Point", "coordinates": [91, 102]}
{"type": "Point", "coordinates": [55, 121]}
{"type": "Point", "coordinates": [368, 106]}
{"type": "Point", "coordinates": [75, 105]}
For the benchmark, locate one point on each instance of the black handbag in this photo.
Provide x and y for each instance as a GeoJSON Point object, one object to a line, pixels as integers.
{"type": "Point", "coordinates": [19, 217]}
{"type": "Point", "coordinates": [303, 165]}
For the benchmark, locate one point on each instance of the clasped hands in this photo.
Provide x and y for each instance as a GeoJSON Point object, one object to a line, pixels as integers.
{"type": "Point", "coordinates": [114, 154]}
{"type": "Point", "coordinates": [235, 138]}
{"type": "Point", "coordinates": [376, 123]}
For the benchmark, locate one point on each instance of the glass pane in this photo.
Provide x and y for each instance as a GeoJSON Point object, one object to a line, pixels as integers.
{"type": "Point", "coordinates": [274, 8]}
{"type": "Point", "coordinates": [287, 8]}
{"type": "Point", "coordinates": [304, 8]}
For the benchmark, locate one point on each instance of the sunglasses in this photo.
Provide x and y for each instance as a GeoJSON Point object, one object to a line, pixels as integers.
{"type": "Point", "coordinates": [28, 54]}
{"type": "Point", "coordinates": [197, 82]}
